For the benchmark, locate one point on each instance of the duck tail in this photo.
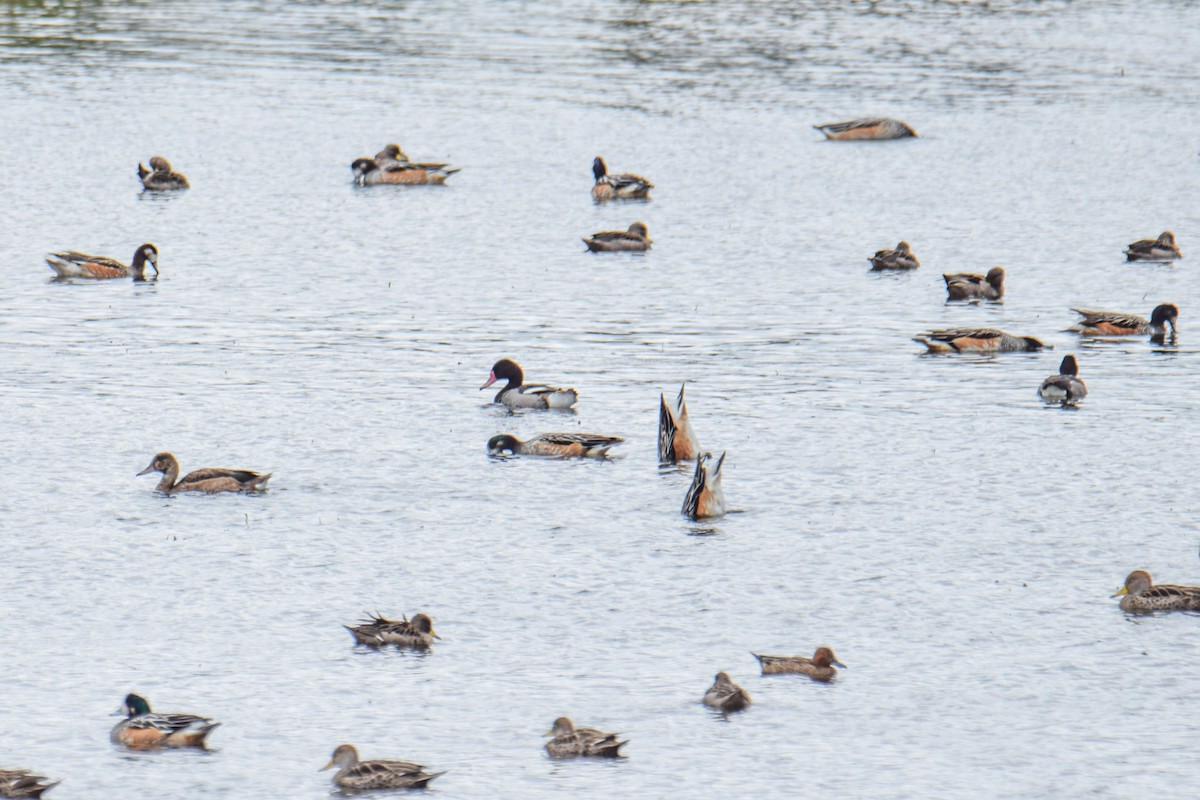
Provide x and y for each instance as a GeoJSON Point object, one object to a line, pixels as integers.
{"type": "Point", "coordinates": [142, 171]}
{"type": "Point", "coordinates": [255, 483]}
{"type": "Point", "coordinates": [934, 347]}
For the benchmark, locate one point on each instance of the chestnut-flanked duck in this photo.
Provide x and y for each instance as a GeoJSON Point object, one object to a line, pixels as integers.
{"type": "Point", "coordinates": [1139, 595]}
{"type": "Point", "coordinates": [636, 238]}
{"type": "Point", "coordinates": [1114, 323]}
{"type": "Point", "coordinates": [705, 498]}
{"type": "Point", "coordinates": [570, 742]}
{"type": "Point", "coordinates": [375, 773]}
{"type": "Point", "coordinates": [144, 730]}
{"type": "Point", "coordinates": [969, 286]}
{"type": "Point", "coordinates": [618, 187]}
{"type": "Point", "coordinates": [977, 340]}
{"type": "Point", "coordinates": [820, 667]}
{"type": "Point", "coordinates": [676, 441]}
{"type": "Point", "coordinates": [416, 633]}
{"type": "Point", "coordinates": [1161, 249]}
{"type": "Point", "coordinates": [900, 258]}
{"type": "Point", "coordinates": [1065, 387]}
{"type": "Point", "coordinates": [518, 394]}
{"type": "Point", "coordinates": [874, 129]}
{"type": "Point", "coordinates": [74, 264]}
{"type": "Point", "coordinates": [160, 177]}
{"type": "Point", "coordinates": [368, 172]}
{"type": "Point", "coordinates": [558, 445]}
{"type": "Point", "coordinates": [726, 695]}
{"type": "Point", "coordinates": [210, 479]}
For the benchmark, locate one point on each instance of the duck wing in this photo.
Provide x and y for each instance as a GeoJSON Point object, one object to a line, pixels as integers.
{"type": "Point", "coordinates": [1115, 318]}
{"type": "Point", "coordinates": [616, 236]}
{"type": "Point", "coordinates": [627, 180]}
{"type": "Point", "coordinates": [950, 334]}
{"type": "Point", "coordinates": [588, 441]}
{"type": "Point", "coordinates": [208, 473]}
{"type": "Point", "coordinates": [170, 723]}
{"type": "Point", "coordinates": [966, 279]}
{"type": "Point", "coordinates": [1182, 594]}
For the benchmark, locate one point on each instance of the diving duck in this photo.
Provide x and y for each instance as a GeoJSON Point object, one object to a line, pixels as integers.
{"type": "Point", "coordinates": [368, 172]}
{"type": "Point", "coordinates": [875, 129]}
{"type": "Point", "coordinates": [1139, 595]}
{"type": "Point", "coordinates": [1161, 249]}
{"type": "Point", "coordinates": [977, 340]}
{"type": "Point", "coordinates": [676, 441]}
{"type": "Point", "coordinates": [211, 479]}
{"type": "Point", "coordinates": [1110, 323]}
{"type": "Point", "coordinates": [618, 187]}
{"type": "Point", "coordinates": [417, 633]}
{"type": "Point", "coordinates": [1065, 387]}
{"type": "Point", "coordinates": [376, 773]}
{"type": "Point", "coordinates": [726, 695]}
{"type": "Point", "coordinates": [820, 667]}
{"type": "Point", "coordinates": [160, 177]}
{"type": "Point", "coordinates": [560, 445]}
{"type": "Point", "coordinates": [74, 264]}
{"type": "Point", "coordinates": [518, 394]}
{"type": "Point", "coordinates": [143, 730]}
{"type": "Point", "coordinates": [968, 286]}
{"type": "Point", "coordinates": [636, 238]}
{"type": "Point", "coordinates": [900, 258]}
{"type": "Point", "coordinates": [570, 742]}
{"type": "Point", "coordinates": [22, 783]}
{"type": "Point", "coordinates": [705, 498]}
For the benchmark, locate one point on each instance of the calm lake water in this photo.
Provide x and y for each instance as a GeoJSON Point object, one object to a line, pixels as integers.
{"type": "Point", "coordinates": [950, 537]}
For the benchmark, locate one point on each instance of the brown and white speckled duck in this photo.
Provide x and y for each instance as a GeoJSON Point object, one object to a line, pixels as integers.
{"type": "Point", "coordinates": [625, 186]}
{"type": "Point", "coordinates": [978, 340]}
{"type": "Point", "coordinates": [874, 129]}
{"type": "Point", "coordinates": [900, 258]}
{"type": "Point", "coordinates": [143, 729]}
{"type": "Point", "coordinates": [368, 172]}
{"type": "Point", "coordinates": [1139, 595]}
{"type": "Point", "coordinates": [518, 394]}
{"type": "Point", "coordinates": [569, 741]}
{"type": "Point", "coordinates": [969, 286]}
{"type": "Point", "coordinates": [820, 667]}
{"type": "Point", "coordinates": [705, 498]}
{"type": "Point", "coordinates": [1161, 249]}
{"type": "Point", "coordinates": [1115, 323]}
{"type": "Point", "coordinates": [417, 633]}
{"type": "Point", "coordinates": [726, 695]}
{"type": "Point", "coordinates": [23, 783]}
{"type": "Point", "coordinates": [160, 177]}
{"type": "Point", "coordinates": [1065, 387]}
{"type": "Point", "coordinates": [74, 264]}
{"type": "Point", "coordinates": [211, 479]}
{"type": "Point", "coordinates": [375, 773]}
{"type": "Point", "coordinates": [556, 445]}
{"type": "Point", "coordinates": [676, 440]}
{"type": "Point", "coordinates": [636, 238]}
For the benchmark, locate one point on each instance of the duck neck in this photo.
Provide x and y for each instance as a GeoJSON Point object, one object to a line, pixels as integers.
{"type": "Point", "coordinates": [168, 479]}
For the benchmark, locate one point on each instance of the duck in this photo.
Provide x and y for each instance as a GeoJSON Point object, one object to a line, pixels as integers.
{"type": "Point", "coordinates": [160, 177]}
{"type": "Point", "coordinates": [1139, 595]}
{"type": "Point", "coordinates": [705, 498]}
{"type": "Point", "coordinates": [375, 773]}
{"type": "Point", "coordinates": [368, 172]}
{"type": "Point", "coordinates": [143, 730]}
{"type": "Point", "coordinates": [23, 783]}
{"type": "Point", "coordinates": [726, 695]}
{"type": "Point", "coordinates": [636, 238]}
{"type": "Point", "coordinates": [968, 286]}
{"type": "Point", "coordinates": [417, 633]}
{"type": "Point", "coordinates": [820, 667]}
{"type": "Point", "coordinates": [518, 394]}
{"type": "Point", "coordinates": [1161, 249]}
{"type": "Point", "coordinates": [392, 156]}
{"type": "Point", "coordinates": [210, 479]}
{"type": "Point", "coordinates": [560, 445]}
{"type": "Point", "coordinates": [1112, 323]}
{"type": "Point", "coordinates": [1065, 387]}
{"type": "Point", "coordinates": [571, 742]}
{"type": "Point", "coordinates": [618, 187]}
{"type": "Point", "coordinates": [676, 440]}
{"type": "Point", "coordinates": [978, 340]}
{"type": "Point", "coordinates": [875, 129]}
{"type": "Point", "coordinates": [74, 264]}
{"type": "Point", "coordinates": [900, 258]}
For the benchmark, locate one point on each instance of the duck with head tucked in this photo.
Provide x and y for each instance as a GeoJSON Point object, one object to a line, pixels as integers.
{"type": "Point", "coordinates": [870, 129]}
{"type": "Point", "coordinates": [900, 258]}
{"type": "Point", "coordinates": [518, 394]}
{"type": "Point", "coordinates": [969, 286]}
{"type": "Point", "coordinates": [1161, 249]}
{"type": "Point", "coordinates": [393, 157]}
{"type": "Point", "coordinates": [1065, 387]}
{"type": "Point", "coordinates": [978, 340]}
{"type": "Point", "coordinates": [368, 172]}
{"type": "Point", "coordinates": [556, 445]}
{"type": "Point", "coordinates": [1115, 323]}
{"type": "Point", "coordinates": [726, 695]}
{"type": "Point", "coordinates": [618, 187]}
{"type": "Point", "coordinates": [705, 498]}
{"type": "Point", "coordinates": [1140, 595]}
{"type": "Point", "coordinates": [144, 730]}
{"type": "Point", "coordinates": [23, 783]}
{"type": "Point", "coordinates": [375, 773]}
{"type": "Point", "coordinates": [635, 239]}
{"type": "Point", "coordinates": [820, 667]}
{"type": "Point", "coordinates": [416, 633]}
{"type": "Point", "coordinates": [74, 264]}
{"type": "Point", "coordinates": [160, 177]}
{"type": "Point", "coordinates": [570, 742]}
{"type": "Point", "coordinates": [210, 479]}
{"type": "Point", "coordinates": [676, 441]}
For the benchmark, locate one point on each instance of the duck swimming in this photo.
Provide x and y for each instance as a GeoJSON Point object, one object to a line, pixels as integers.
{"type": "Point", "coordinates": [22, 783]}
{"type": "Point", "coordinates": [618, 187]}
{"type": "Point", "coordinates": [636, 238]}
{"type": "Point", "coordinates": [900, 258]}
{"type": "Point", "coordinates": [705, 498]}
{"type": "Point", "coordinates": [820, 667]}
{"type": "Point", "coordinates": [977, 340]}
{"type": "Point", "coordinates": [571, 742]}
{"type": "Point", "coordinates": [416, 633]}
{"type": "Point", "coordinates": [1161, 249]}
{"type": "Point", "coordinates": [1139, 595]}
{"type": "Point", "coordinates": [1065, 387]}
{"type": "Point", "coordinates": [875, 129]}
{"type": "Point", "coordinates": [160, 177]}
{"type": "Point", "coordinates": [143, 730]}
{"type": "Point", "coordinates": [74, 264]}
{"type": "Point", "coordinates": [211, 479]}
{"type": "Point", "coordinates": [368, 172]}
{"type": "Point", "coordinates": [726, 695]}
{"type": "Point", "coordinates": [560, 445]}
{"type": "Point", "coordinates": [375, 773]}
{"type": "Point", "coordinates": [676, 441]}
{"type": "Point", "coordinates": [1112, 323]}
{"type": "Point", "coordinates": [969, 286]}
{"type": "Point", "coordinates": [518, 394]}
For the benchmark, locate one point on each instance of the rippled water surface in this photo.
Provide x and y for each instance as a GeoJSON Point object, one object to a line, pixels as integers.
{"type": "Point", "coordinates": [953, 539]}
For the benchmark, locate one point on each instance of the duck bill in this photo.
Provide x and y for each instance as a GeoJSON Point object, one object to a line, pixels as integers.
{"type": "Point", "coordinates": [120, 712]}
{"type": "Point", "coordinates": [146, 471]}
{"type": "Point", "coordinates": [434, 634]}
{"type": "Point", "coordinates": [491, 379]}
{"type": "Point", "coordinates": [1119, 592]}
{"type": "Point", "coordinates": [330, 765]}
{"type": "Point", "coordinates": [838, 664]}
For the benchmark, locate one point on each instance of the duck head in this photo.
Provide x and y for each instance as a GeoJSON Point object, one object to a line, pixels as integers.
{"type": "Point", "coordinates": [824, 657]}
{"type": "Point", "coordinates": [504, 444]}
{"type": "Point", "coordinates": [1137, 582]}
{"type": "Point", "coordinates": [599, 168]}
{"type": "Point", "coordinates": [995, 277]}
{"type": "Point", "coordinates": [640, 229]}
{"type": "Point", "coordinates": [362, 167]}
{"type": "Point", "coordinates": [1068, 366]}
{"type": "Point", "coordinates": [160, 164]}
{"type": "Point", "coordinates": [393, 152]}
{"type": "Point", "coordinates": [344, 757]}
{"type": "Point", "coordinates": [164, 463]}
{"type": "Point", "coordinates": [562, 727]}
{"type": "Point", "coordinates": [1035, 344]}
{"type": "Point", "coordinates": [134, 706]}
{"type": "Point", "coordinates": [424, 624]}
{"type": "Point", "coordinates": [505, 369]}
{"type": "Point", "coordinates": [1163, 314]}
{"type": "Point", "coordinates": [147, 253]}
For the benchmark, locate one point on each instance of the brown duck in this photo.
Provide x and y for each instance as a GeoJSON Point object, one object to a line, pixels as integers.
{"type": "Point", "coordinates": [820, 667]}
{"type": "Point", "coordinates": [211, 479]}
{"type": "Point", "coordinates": [636, 238]}
{"type": "Point", "coordinates": [417, 632]}
{"type": "Point", "coordinates": [571, 742]}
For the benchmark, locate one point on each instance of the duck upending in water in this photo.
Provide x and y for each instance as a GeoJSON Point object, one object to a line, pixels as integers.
{"type": "Point", "coordinates": [636, 238]}
{"type": "Point", "coordinates": [618, 187]}
{"type": "Point", "coordinates": [571, 742]}
{"type": "Point", "coordinates": [376, 773]}
{"type": "Point", "coordinates": [969, 286]}
{"type": "Point", "coordinates": [143, 730]}
{"type": "Point", "coordinates": [22, 783]}
{"type": "Point", "coordinates": [705, 498]}
{"type": "Point", "coordinates": [1113, 323]}
{"type": "Point", "coordinates": [726, 695]}
{"type": "Point", "coordinates": [676, 441]}
{"type": "Point", "coordinates": [1161, 249]}
{"type": "Point", "coordinates": [210, 479]}
{"type": "Point", "coordinates": [74, 264]}
{"type": "Point", "coordinates": [368, 172]}
{"type": "Point", "coordinates": [518, 394]}
{"type": "Point", "coordinates": [1139, 595]}
{"type": "Point", "coordinates": [874, 129]}
{"type": "Point", "coordinates": [900, 258]}
{"type": "Point", "coordinates": [160, 177]}
{"type": "Point", "coordinates": [820, 667]}
{"type": "Point", "coordinates": [559, 445]}
{"type": "Point", "coordinates": [978, 340]}
{"type": "Point", "coordinates": [416, 633]}
{"type": "Point", "coordinates": [1065, 387]}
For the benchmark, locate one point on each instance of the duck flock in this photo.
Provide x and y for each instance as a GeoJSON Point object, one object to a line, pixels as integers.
{"type": "Point", "coordinates": [144, 729]}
